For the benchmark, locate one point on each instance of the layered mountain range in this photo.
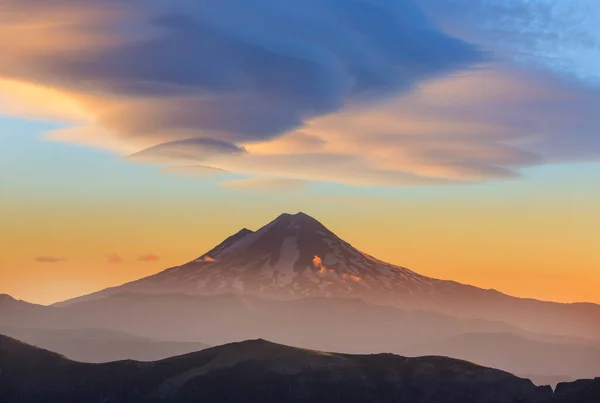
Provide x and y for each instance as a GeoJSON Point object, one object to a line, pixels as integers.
{"type": "Point", "coordinates": [295, 282]}
{"type": "Point", "coordinates": [260, 371]}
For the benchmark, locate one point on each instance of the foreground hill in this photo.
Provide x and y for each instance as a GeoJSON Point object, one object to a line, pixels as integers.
{"type": "Point", "coordinates": [582, 391]}
{"type": "Point", "coordinates": [257, 371]}
{"type": "Point", "coordinates": [296, 257]}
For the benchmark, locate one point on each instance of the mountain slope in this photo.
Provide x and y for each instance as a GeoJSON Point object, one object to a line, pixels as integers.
{"type": "Point", "coordinates": [292, 257]}
{"type": "Point", "coordinates": [581, 391]}
{"type": "Point", "coordinates": [99, 345]}
{"type": "Point", "coordinates": [257, 371]}
{"type": "Point", "coordinates": [318, 323]}
{"type": "Point", "coordinates": [295, 257]}
{"type": "Point", "coordinates": [520, 355]}
{"type": "Point", "coordinates": [179, 321]}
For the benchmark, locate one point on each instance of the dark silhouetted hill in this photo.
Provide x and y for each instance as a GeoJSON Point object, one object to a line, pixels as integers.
{"type": "Point", "coordinates": [256, 372]}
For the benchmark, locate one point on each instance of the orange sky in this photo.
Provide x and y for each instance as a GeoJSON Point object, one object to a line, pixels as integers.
{"type": "Point", "coordinates": [486, 175]}
{"type": "Point", "coordinates": [520, 246]}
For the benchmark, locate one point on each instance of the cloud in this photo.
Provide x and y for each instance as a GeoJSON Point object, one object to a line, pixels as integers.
{"type": "Point", "coordinates": [196, 149]}
{"type": "Point", "coordinates": [113, 258]}
{"type": "Point", "coordinates": [199, 171]}
{"type": "Point", "coordinates": [485, 124]}
{"type": "Point", "coordinates": [49, 259]}
{"type": "Point", "coordinates": [560, 36]}
{"type": "Point", "coordinates": [149, 257]}
{"type": "Point", "coordinates": [296, 142]}
{"type": "Point", "coordinates": [365, 201]}
{"type": "Point", "coordinates": [27, 100]}
{"type": "Point", "coordinates": [349, 91]}
{"type": "Point", "coordinates": [168, 71]}
{"type": "Point", "coordinates": [266, 184]}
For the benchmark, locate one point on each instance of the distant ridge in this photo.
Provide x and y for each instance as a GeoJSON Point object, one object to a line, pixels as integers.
{"type": "Point", "coordinates": [131, 325]}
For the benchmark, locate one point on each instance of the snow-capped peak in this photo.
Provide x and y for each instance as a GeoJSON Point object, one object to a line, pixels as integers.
{"type": "Point", "coordinates": [293, 256]}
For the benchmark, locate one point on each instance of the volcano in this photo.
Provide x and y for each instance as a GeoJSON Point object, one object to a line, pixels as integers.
{"type": "Point", "coordinates": [296, 257]}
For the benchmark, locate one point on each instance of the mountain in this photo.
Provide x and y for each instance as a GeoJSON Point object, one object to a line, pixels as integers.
{"type": "Point", "coordinates": [292, 257]}
{"type": "Point", "coordinates": [18, 311]}
{"type": "Point", "coordinates": [295, 282]}
{"type": "Point", "coordinates": [296, 257]}
{"type": "Point", "coordinates": [257, 371]}
{"type": "Point", "coordinates": [317, 323]}
{"type": "Point", "coordinates": [581, 391]}
{"type": "Point", "coordinates": [538, 360]}
{"type": "Point", "coordinates": [99, 345]}
{"type": "Point", "coordinates": [118, 327]}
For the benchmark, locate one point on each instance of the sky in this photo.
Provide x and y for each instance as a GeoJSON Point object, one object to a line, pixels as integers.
{"type": "Point", "coordinates": [457, 138]}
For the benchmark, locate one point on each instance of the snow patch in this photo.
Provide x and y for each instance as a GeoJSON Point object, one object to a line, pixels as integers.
{"type": "Point", "coordinates": [288, 256]}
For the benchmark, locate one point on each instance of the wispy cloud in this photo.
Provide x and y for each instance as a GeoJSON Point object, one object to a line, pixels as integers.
{"type": "Point", "coordinates": [560, 36]}
{"type": "Point", "coordinates": [113, 258]}
{"type": "Point", "coordinates": [149, 257]}
{"type": "Point", "coordinates": [199, 171]}
{"type": "Point", "coordinates": [266, 184]}
{"type": "Point", "coordinates": [187, 150]}
{"type": "Point", "coordinates": [49, 259]}
{"type": "Point", "coordinates": [365, 201]}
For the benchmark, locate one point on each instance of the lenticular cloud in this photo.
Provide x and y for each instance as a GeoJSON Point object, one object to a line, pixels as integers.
{"type": "Point", "coordinates": [228, 70]}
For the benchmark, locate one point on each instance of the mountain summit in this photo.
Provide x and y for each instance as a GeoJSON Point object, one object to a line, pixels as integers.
{"type": "Point", "coordinates": [294, 256]}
